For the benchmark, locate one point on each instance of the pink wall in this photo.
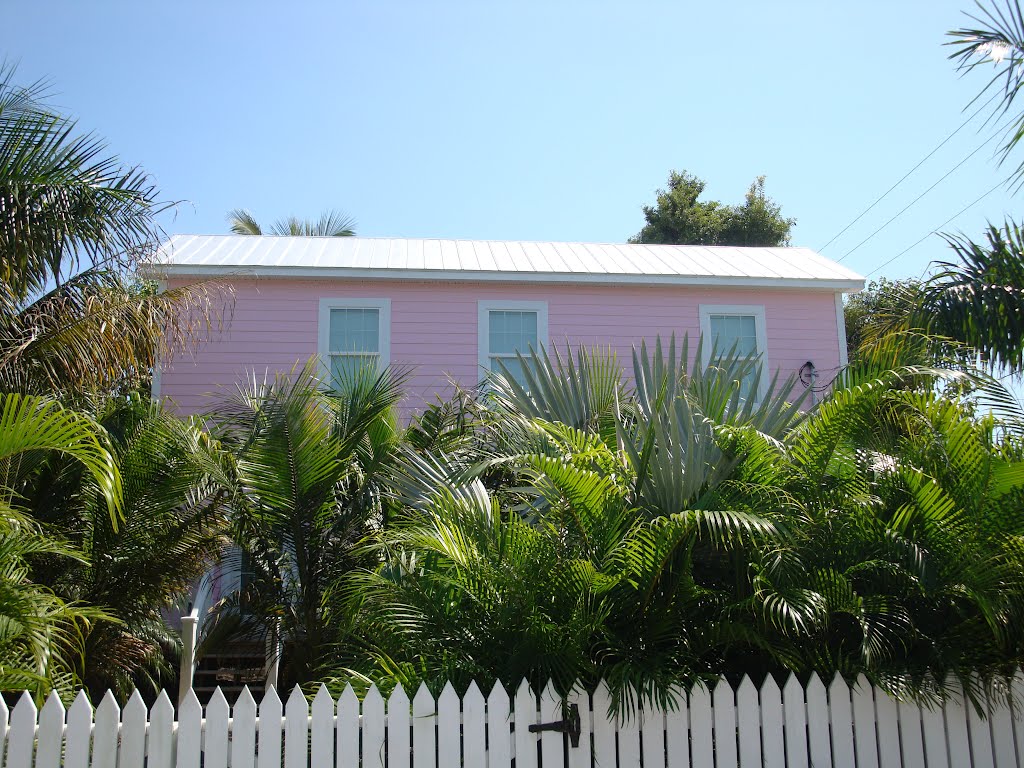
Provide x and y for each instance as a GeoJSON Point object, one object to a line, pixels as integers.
{"type": "Point", "coordinates": [434, 328]}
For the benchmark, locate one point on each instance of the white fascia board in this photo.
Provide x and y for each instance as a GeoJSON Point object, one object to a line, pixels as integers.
{"type": "Point", "coordinates": [206, 270]}
{"type": "Point", "coordinates": [844, 353]}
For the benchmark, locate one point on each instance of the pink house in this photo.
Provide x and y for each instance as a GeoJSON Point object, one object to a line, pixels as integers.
{"type": "Point", "coordinates": [450, 309]}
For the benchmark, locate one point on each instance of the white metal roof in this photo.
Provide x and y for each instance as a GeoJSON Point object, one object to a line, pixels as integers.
{"type": "Point", "coordinates": [499, 260]}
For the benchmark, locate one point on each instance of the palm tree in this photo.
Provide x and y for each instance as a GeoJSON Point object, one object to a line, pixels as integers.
{"type": "Point", "coordinates": [172, 528]}
{"type": "Point", "coordinates": [330, 224]}
{"type": "Point", "coordinates": [77, 327]}
{"type": "Point", "coordinates": [42, 636]}
{"type": "Point", "coordinates": [698, 535]}
{"type": "Point", "coordinates": [977, 301]}
{"type": "Point", "coordinates": [72, 318]}
{"type": "Point", "coordinates": [65, 200]}
{"type": "Point", "coordinates": [307, 487]}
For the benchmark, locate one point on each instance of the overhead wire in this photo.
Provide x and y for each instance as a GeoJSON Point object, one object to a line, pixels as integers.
{"type": "Point", "coordinates": [916, 199]}
{"type": "Point", "coordinates": [933, 231]}
{"type": "Point", "coordinates": [923, 160]}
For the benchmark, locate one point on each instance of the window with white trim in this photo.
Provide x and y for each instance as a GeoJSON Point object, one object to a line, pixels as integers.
{"type": "Point", "coordinates": [508, 328]}
{"type": "Point", "coordinates": [354, 333]}
{"type": "Point", "coordinates": [737, 329]}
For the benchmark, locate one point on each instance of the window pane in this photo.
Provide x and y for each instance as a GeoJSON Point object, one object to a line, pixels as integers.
{"type": "Point", "coordinates": [344, 366]}
{"type": "Point", "coordinates": [355, 330]}
{"type": "Point", "coordinates": [736, 334]}
{"type": "Point", "coordinates": [740, 331]}
{"type": "Point", "coordinates": [511, 331]}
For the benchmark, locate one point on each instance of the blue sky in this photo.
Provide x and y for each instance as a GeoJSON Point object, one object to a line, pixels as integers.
{"type": "Point", "coordinates": [528, 120]}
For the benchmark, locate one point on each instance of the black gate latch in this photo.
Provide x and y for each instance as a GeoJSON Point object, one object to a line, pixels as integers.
{"type": "Point", "coordinates": [570, 725]}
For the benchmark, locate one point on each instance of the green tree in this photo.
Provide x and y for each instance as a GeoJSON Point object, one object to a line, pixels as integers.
{"type": "Point", "coordinates": [307, 487]}
{"type": "Point", "coordinates": [977, 300]}
{"type": "Point", "coordinates": [679, 217]}
{"type": "Point", "coordinates": [882, 306]}
{"type": "Point", "coordinates": [675, 533]}
{"type": "Point", "coordinates": [330, 224]}
{"type": "Point", "coordinates": [42, 635]}
{"type": "Point", "coordinates": [77, 327]}
{"type": "Point", "coordinates": [173, 527]}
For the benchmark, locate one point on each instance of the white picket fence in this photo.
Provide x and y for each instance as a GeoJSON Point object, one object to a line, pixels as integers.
{"type": "Point", "coordinates": [771, 727]}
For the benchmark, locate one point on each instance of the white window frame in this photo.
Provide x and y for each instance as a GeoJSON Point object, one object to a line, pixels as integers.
{"type": "Point", "coordinates": [324, 329]}
{"type": "Point", "coordinates": [760, 329]}
{"type": "Point", "coordinates": [486, 306]}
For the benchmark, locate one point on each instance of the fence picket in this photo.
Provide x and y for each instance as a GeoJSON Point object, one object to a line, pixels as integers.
{"type": "Point", "coordinates": [934, 738]}
{"type": "Point", "coordinates": [215, 737]}
{"type": "Point", "coordinates": [865, 738]}
{"type": "Point", "coordinates": [104, 732]}
{"type": "Point", "coordinates": [399, 735]}
{"type": "Point", "coordinates": [449, 746]}
{"type": "Point", "coordinates": [579, 757]}
{"type": "Point", "coordinates": [794, 711]}
{"type": "Point", "coordinates": [51, 733]}
{"type": "Point", "coordinates": [78, 734]}
{"type": "Point", "coordinates": [981, 739]}
{"type": "Point", "coordinates": [677, 736]}
{"type": "Point", "coordinates": [748, 723]}
{"type": "Point", "coordinates": [701, 728]}
{"type": "Point", "coordinates": [1017, 697]}
{"type": "Point", "coordinates": [23, 733]}
{"type": "Point", "coordinates": [499, 731]}
{"type": "Point", "coordinates": [954, 710]}
{"type": "Point", "coordinates": [3, 727]}
{"type": "Point", "coordinates": [348, 729]}
{"type": "Point", "coordinates": [817, 723]}
{"type": "Point", "coordinates": [724, 703]}
{"type": "Point", "coordinates": [268, 740]}
{"type": "Point", "coordinates": [526, 715]}
{"type": "Point", "coordinates": [604, 728]}
{"type": "Point", "coordinates": [296, 730]}
{"type": "Point", "coordinates": [373, 729]}
{"type": "Point", "coordinates": [159, 735]}
{"type": "Point", "coordinates": [1001, 723]}
{"type": "Point", "coordinates": [807, 726]}
{"type": "Point", "coordinates": [887, 723]}
{"type": "Point", "coordinates": [773, 743]}
{"type": "Point", "coordinates": [423, 735]}
{"type": "Point", "coordinates": [321, 739]}
{"type": "Point", "coordinates": [652, 736]}
{"type": "Point", "coordinates": [474, 728]}
{"type": "Point", "coordinates": [243, 731]}
{"type": "Point", "coordinates": [551, 741]}
{"type": "Point", "coordinates": [190, 732]}
{"type": "Point", "coordinates": [841, 715]}
{"type": "Point", "coordinates": [910, 735]}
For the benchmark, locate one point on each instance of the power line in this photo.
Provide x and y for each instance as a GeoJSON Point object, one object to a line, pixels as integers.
{"type": "Point", "coordinates": [910, 248]}
{"type": "Point", "coordinates": [912, 202]}
{"type": "Point", "coordinates": [907, 174]}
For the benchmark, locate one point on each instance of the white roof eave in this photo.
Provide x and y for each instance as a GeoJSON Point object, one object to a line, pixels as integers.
{"type": "Point", "coordinates": [155, 270]}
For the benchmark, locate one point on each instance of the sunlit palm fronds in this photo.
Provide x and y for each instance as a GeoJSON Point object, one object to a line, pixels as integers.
{"type": "Point", "coordinates": [97, 331]}
{"type": "Point", "coordinates": [996, 41]}
{"type": "Point", "coordinates": [308, 466]}
{"type": "Point", "coordinates": [330, 224]}
{"type": "Point", "coordinates": [64, 199]}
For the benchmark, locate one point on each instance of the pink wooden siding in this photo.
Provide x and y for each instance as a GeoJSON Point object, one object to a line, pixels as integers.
{"type": "Point", "coordinates": [434, 328]}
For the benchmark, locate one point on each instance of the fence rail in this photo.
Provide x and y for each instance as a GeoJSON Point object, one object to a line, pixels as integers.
{"type": "Point", "coordinates": [792, 727]}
